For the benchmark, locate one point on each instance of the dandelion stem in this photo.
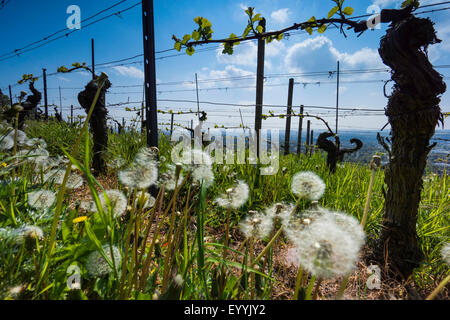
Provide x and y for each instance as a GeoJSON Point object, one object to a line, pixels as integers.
{"type": "Point", "coordinates": [298, 282]}
{"type": "Point", "coordinates": [310, 288]}
{"type": "Point", "coordinates": [439, 288]}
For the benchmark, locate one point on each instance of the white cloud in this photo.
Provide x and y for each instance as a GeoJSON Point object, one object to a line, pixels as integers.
{"type": "Point", "coordinates": [63, 79]}
{"type": "Point", "coordinates": [230, 71]}
{"type": "Point", "coordinates": [280, 16]}
{"type": "Point", "coordinates": [131, 72]}
{"type": "Point", "coordinates": [319, 54]}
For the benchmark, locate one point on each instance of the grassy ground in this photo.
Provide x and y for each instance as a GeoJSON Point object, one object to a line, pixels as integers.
{"type": "Point", "coordinates": [168, 234]}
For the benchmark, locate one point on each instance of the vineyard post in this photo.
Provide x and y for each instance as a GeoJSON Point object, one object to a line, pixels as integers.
{"type": "Point", "coordinates": [260, 86]}
{"type": "Point", "coordinates": [71, 114]}
{"type": "Point", "coordinates": [60, 103]}
{"type": "Point", "coordinates": [312, 143]}
{"type": "Point", "coordinates": [300, 128]}
{"type": "Point", "coordinates": [151, 111]}
{"type": "Point", "coordinates": [287, 136]}
{"type": "Point", "coordinates": [44, 77]}
{"type": "Point", "coordinates": [93, 58]}
{"type": "Point", "coordinates": [337, 95]}
{"type": "Point", "coordinates": [10, 96]}
{"type": "Point", "coordinates": [308, 131]}
{"type": "Point", "coordinates": [198, 102]}
{"type": "Point", "coordinates": [171, 125]}
{"type": "Point", "coordinates": [123, 124]}
{"type": "Point", "coordinates": [192, 129]}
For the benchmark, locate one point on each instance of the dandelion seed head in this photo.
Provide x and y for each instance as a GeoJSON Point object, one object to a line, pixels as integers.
{"type": "Point", "coordinates": [234, 197]}
{"type": "Point", "coordinates": [257, 226]}
{"type": "Point", "coordinates": [280, 211]}
{"type": "Point", "coordinates": [35, 143]}
{"type": "Point", "coordinates": [21, 136]}
{"type": "Point", "coordinates": [149, 201]}
{"type": "Point", "coordinates": [74, 181]}
{"type": "Point", "coordinates": [7, 143]}
{"type": "Point", "coordinates": [308, 185]}
{"type": "Point", "coordinates": [88, 206]}
{"type": "Point", "coordinates": [16, 291]}
{"type": "Point", "coordinates": [445, 252]}
{"type": "Point", "coordinates": [41, 199]}
{"type": "Point", "coordinates": [203, 174]}
{"type": "Point", "coordinates": [326, 250]}
{"type": "Point", "coordinates": [117, 200]}
{"type": "Point", "coordinates": [146, 155]}
{"type": "Point", "coordinates": [97, 266]}
{"type": "Point", "coordinates": [29, 233]}
{"type": "Point", "coordinates": [139, 176]}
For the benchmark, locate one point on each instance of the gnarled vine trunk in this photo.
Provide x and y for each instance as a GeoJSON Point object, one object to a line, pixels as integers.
{"type": "Point", "coordinates": [97, 123]}
{"type": "Point", "coordinates": [413, 112]}
{"type": "Point", "coordinates": [30, 105]}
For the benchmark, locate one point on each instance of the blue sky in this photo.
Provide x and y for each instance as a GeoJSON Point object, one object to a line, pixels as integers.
{"type": "Point", "coordinates": [120, 37]}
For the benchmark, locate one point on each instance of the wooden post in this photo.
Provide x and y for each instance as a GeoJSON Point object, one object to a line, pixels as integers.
{"type": "Point", "coordinates": [71, 114]}
{"type": "Point", "coordinates": [44, 77]}
{"type": "Point", "coordinates": [192, 129]}
{"type": "Point", "coordinates": [171, 124]}
{"type": "Point", "coordinates": [150, 73]}
{"type": "Point", "coordinates": [198, 102]}
{"type": "Point", "coordinates": [260, 85]}
{"type": "Point", "coordinates": [287, 136]}
{"type": "Point", "coordinates": [308, 129]}
{"type": "Point", "coordinates": [300, 128]}
{"type": "Point", "coordinates": [93, 58]}
{"type": "Point", "coordinates": [60, 103]}
{"type": "Point", "coordinates": [312, 149]}
{"type": "Point", "coordinates": [337, 96]}
{"type": "Point", "coordinates": [123, 124]}
{"type": "Point", "coordinates": [10, 96]}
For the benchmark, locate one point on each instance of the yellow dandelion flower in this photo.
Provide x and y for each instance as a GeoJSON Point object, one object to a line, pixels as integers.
{"type": "Point", "coordinates": [79, 219]}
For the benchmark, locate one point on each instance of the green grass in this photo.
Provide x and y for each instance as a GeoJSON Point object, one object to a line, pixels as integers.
{"type": "Point", "coordinates": [180, 248]}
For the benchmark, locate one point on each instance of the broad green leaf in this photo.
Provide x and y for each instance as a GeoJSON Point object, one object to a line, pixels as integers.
{"type": "Point", "coordinates": [196, 35]}
{"type": "Point", "coordinates": [348, 11]}
{"type": "Point", "coordinates": [333, 12]}
{"type": "Point", "coordinates": [190, 51]}
{"type": "Point", "coordinates": [177, 46]}
{"type": "Point", "coordinates": [309, 30]}
{"type": "Point", "coordinates": [186, 38]}
{"type": "Point", "coordinates": [322, 28]}
{"type": "Point", "coordinates": [260, 29]}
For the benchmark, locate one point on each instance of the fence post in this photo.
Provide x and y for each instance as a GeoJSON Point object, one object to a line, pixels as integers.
{"type": "Point", "coordinates": [171, 125]}
{"type": "Point", "coordinates": [44, 77]}
{"type": "Point", "coordinates": [287, 136]}
{"type": "Point", "coordinates": [71, 114]}
{"type": "Point", "coordinates": [300, 128]}
{"type": "Point", "coordinates": [150, 73]}
{"type": "Point", "coordinates": [312, 149]}
{"type": "Point", "coordinates": [308, 131]}
{"type": "Point", "coordinates": [10, 96]}
{"type": "Point", "coordinates": [260, 86]}
{"type": "Point", "coordinates": [93, 58]}
{"type": "Point", "coordinates": [337, 96]}
{"type": "Point", "coordinates": [60, 104]}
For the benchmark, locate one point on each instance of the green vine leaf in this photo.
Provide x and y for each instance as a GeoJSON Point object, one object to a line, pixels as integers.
{"type": "Point", "coordinates": [348, 11]}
